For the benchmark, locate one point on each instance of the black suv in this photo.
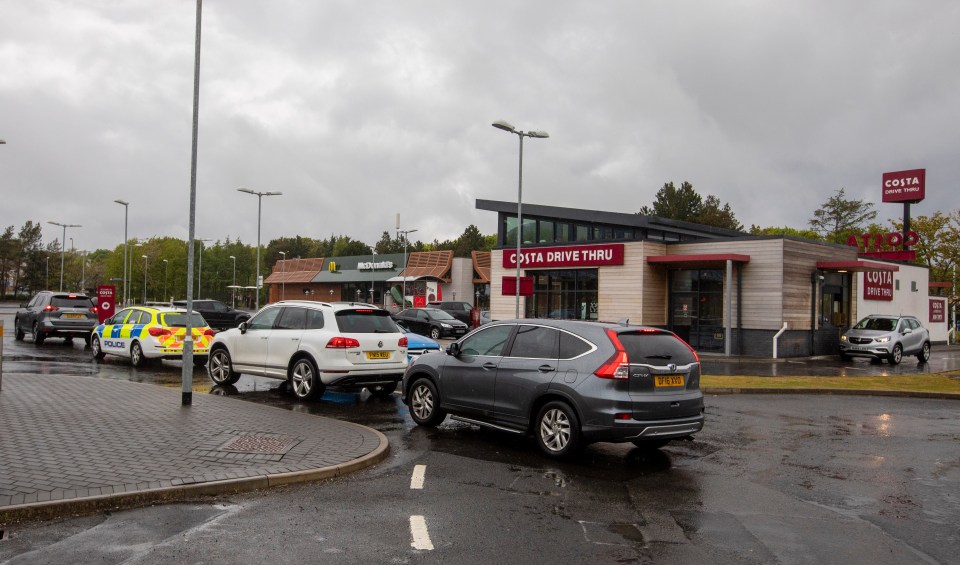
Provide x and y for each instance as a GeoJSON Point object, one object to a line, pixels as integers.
{"type": "Point", "coordinates": [459, 310]}
{"type": "Point", "coordinates": [56, 314]}
{"type": "Point", "coordinates": [218, 315]}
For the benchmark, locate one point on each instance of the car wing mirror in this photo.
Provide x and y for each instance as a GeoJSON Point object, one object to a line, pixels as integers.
{"type": "Point", "coordinates": [243, 327]}
{"type": "Point", "coordinates": [907, 331]}
{"type": "Point", "coordinates": [454, 349]}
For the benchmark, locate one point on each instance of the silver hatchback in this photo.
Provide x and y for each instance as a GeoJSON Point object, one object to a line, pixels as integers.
{"type": "Point", "coordinates": [565, 382]}
{"type": "Point", "coordinates": [886, 337]}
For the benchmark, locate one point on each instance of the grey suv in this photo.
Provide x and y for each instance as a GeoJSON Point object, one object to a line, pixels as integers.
{"type": "Point", "coordinates": [56, 314]}
{"type": "Point", "coordinates": [568, 383]}
{"type": "Point", "coordinates": [886, 337]}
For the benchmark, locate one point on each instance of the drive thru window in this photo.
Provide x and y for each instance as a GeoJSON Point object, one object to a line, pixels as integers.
{"type": "Point", "coordinates": [696, 307]}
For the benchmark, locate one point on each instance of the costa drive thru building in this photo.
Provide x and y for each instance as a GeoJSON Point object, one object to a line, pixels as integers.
{"type": "Point", "coordinates": [721, 290]}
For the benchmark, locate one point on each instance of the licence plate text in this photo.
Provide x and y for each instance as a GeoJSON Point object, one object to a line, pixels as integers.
{"type": "Point", "coordinates": [74, 316]}
{"type": "Point", "coordinates": [668, 380]}
{"type": "Point", "coordinates": [378, 354]}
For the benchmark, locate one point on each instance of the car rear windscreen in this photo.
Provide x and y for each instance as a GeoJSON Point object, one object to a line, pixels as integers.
{"type": "Point", "coordinates": [179, 320]}
{"type": "Point", "coordinates": [365, 321]}
{"type": "Point", "coordinates": [649, 348]}
{"type": "Point", "coordinates": [71, 302]}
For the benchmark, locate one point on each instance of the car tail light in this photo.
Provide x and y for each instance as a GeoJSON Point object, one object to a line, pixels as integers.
{"type": "Point", "coordinates": [50, 308]}
{"type": "Point", "coordinates": [618, 366]}
{"type": "Point", "coordinates": [695, 356]}
{"type": "Point", "coordinates": [340, 342]}
{"type": "Point", "coordinates": [209, 332]}
{"type": "Point", "coordinates": [364, 310]}
{"type": "Point", "coordinates": [157, 331]}
{"type": "Point", "coordinates": [93, 309]}
{"type": "Point", "coordinates": [403, 342]}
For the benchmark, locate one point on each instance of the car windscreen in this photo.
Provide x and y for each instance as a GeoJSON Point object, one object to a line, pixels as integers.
{"type": "Point", "coordinates": [439, 314]}
{"type": "Point", "coordinates": [71, 302]}
{"type": "Point", "coordinates": [179, 320]}
{"type": "Point", "coordinates": [366, 321]}
{"type": "Point", "coordinates": [878, 324]}
{"type": "Point", "coordinates": [655, 348]}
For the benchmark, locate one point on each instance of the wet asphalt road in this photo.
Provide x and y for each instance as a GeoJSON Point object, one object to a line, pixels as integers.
{"type": "Point", "coordinates": [791, 479]}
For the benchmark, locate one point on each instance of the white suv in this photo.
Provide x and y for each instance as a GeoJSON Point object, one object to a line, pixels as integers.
{"type": "Point", "coordinates": [313, 345]}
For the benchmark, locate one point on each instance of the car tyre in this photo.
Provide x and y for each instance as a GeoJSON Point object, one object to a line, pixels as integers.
{"type": "Point", "coordinates": [924, 354]}
{"type": "Point", "coordinates": [424, 404]}
{"type": "Point", "coordinates": [305, 380]}
{"type": "Point", "coordinates": [558, 430]}
{"type": "Point", "coordinates": [220, 367]}
{"type": "Point", "coordinates": [435, 333]}
{"type": "Point", "coordinates": [86, 341]}
{"type": "Point", "coordinates": [137, 358]}
{"type": "Point", "coordinates": [382, 390]}
{"type": "Point", "coordinates": [38, 337]}
{"type": "Point", "coordinates": [17, 331]}
{"type": "Point", "coordinates": [95, 347]}
{"type": "Point", "coordinates": [897, 355]}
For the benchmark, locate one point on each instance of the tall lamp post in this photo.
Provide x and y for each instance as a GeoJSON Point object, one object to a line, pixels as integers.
{"type": "Point", "coordinates": [233, 295]}
{"type": "Point", "coordinates": [63, 245]}
{"type": "Point", "coordinates": [200, 267]}
{"type": "Point", "coordinates": [404, 281]}
{"type": "Point", "coordinates": [500, 124]}
{"type": "Point", "coordinates": [144, 279]}
{"type": "Point", "coordinates": [283, 269]}
{"type": "Point", "coordinates": [126, 209]}
{"type": "Point", "coordinates": [165, 265]}
{"type": "Point", "coordinates": [46, 281]}
{"type": "Point", "coordinates": [259, 196]}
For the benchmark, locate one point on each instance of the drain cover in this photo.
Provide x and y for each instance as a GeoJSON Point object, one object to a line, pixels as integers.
{"type": "Point", "coordinates": [270, 445]}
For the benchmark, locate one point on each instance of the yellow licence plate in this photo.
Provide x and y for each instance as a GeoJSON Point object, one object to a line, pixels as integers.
{"type": "Point", "coordinates": [75, 316]}
{"type": "Point", "coordinates": [378, 354]}
{"type": "Point", "coordinates": [668, 380]}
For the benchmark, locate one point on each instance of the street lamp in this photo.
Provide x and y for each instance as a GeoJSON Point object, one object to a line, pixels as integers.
{"type": "Point", "coordinates": [144, 279]}
{"type": "Point", "coordinates": [404, 281]}
{"type": "Point", "coordinates": [63, 245]}
{"type": "Point", "coordinates": [373, 269]}
{"type": "Point", "coordinates": [500, 124]}
{"type": "Point", "coordinates": [200, 267]}
{"type": "Point", "coordinates": [283, 269]}
{"type": "Point", "coordinates": [126, 208]}
{"type": "Point", "coordinates": [233, 295]}
{"type": "Point", "coordinates": [46, 281]}
{"type": "Point", "coordinates": [165, 265]}
{"type": "Point", "coordinates": [259, 196]}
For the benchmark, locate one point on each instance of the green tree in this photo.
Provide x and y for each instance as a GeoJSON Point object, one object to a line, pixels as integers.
{"type": "Point", "coordinates": [939, 241]}
{"type": "Point", "coordinates": [840, 217]}
{"type": "Point", "coordinates": [470, 240]}
{"type": "Point", "coordinates": [687, 205]}
{"type": "Point", "coordinates": [712, 214]}
{"type": "Point", "coordinates": [9, 254]}
{"type": "Point", "coordinates": [31, 266]}
{"type": "Point", "coordinates": [793, 232]}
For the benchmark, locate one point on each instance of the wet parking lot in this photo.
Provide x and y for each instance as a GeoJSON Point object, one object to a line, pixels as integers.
{"type": "Point", "coordinates": [772, 478]}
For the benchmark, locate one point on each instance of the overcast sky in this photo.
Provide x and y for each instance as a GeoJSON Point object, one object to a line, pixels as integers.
{"type": "Point", "coordinates": [358, 111]}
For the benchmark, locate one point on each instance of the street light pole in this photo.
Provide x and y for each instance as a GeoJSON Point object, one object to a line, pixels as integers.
{"type": "Point", "coordinates": [500, 124]}
{"type": "Point", "coordinates": [404, 281]}
{"type": "Point", "coordinates": [233, 295]}
{"type": "Point", "coordinates": [144, 279]}
{"type": "Point", "coordinates": [126, 208]}
{"type": "Point", "coordinates": [283, 270]}
{"type": "Point", "coordinates": [63, 245]}
{"type": "Point", "coordinates": [200, 268]}
{"type": "Point", "coordinates": [259, 196]}
{"type": "Point", "coordinates": [165, 265]}
{"type": "Point", "coordinates": [46, 281]}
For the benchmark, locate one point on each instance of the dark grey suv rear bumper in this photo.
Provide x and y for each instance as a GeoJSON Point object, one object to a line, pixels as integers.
{"type": "Point", "coordinates": [629, 430]}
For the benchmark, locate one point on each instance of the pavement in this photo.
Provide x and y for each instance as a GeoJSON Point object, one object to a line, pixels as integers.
{"type": "Point", "coordinates": [79, 445]}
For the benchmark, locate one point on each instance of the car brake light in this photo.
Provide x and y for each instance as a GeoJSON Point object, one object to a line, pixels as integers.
{"type": "Point", "coordinates": [157, 331]}
{"type": "Point", "coordinates": [93, 309]}
{"type": "Point", "coordinates": [340, 342]}
{"type": "Point", "coordinates": [695, 356]}
{"type": "Point", "coordinates": [364, 310]}
{"type": "Point", "coordinates": [209, 332]}
{"type": "Point", "coordinates": [403, 342]}
{"type": "Point", "coordinates": [50, 308]}
{"type": "Point", "coordinates": [618, 366]}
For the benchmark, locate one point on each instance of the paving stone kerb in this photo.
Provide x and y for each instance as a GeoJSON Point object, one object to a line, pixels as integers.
{"type": "Point", "coordinates": [82, 444]}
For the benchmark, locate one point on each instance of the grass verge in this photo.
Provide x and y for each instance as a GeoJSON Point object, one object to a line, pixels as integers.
{"type": "Point", "coordinates": [941, 382]}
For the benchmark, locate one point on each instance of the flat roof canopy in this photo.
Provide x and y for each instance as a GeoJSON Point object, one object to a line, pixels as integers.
{"type": "Point", "coordinates": [697, 260]}
{"type": "Point", "coordinates": [858, 266]}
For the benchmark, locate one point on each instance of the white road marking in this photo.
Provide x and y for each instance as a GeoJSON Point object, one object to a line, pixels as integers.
{"type": "Point", "coordinates": [416, 480]}
{"type": "Point", "coordinates": [419, 533]}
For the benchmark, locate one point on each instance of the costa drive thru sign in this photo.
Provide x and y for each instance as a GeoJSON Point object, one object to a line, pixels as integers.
{"type": "Point", "coordinates": [904, 186]}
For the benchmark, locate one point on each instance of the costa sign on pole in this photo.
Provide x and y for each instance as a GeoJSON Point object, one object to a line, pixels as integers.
{"type": "Point", "coordinates": [904, 186]}
{"type": "Point", "coordinates": [106, 295]}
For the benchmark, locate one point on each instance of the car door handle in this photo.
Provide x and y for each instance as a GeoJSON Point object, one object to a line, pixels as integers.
{"type": "Point", "coordinates": [489, 365]}
{"type": "Point", "coordinates": [546, 368]}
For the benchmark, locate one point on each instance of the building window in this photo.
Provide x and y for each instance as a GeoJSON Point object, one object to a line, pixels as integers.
{"type": "Point", "coordinates": [546, 231]}
{"type": "Point", "coordinates": [567, 294]}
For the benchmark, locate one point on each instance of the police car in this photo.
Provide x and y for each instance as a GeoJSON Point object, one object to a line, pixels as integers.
{"type": "Point", "coordinates": [144, 333]}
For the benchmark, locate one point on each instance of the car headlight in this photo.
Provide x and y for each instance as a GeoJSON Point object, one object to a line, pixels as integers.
{"type": "Point", "coordinates": [883, 339]}
{"type": "Point", "coordinates": [843, 337]}
{"type": "Point", "coordinates": [445, 325]}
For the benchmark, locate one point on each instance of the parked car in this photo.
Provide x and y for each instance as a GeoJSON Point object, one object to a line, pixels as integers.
{"type": "Point", "coordinates": [144, 334]}
{"type": "Point", "coordinates": [886, 337]}
{"type": "Point", "coordinates": [568, 383]}
{"type": "Point", "coordinates": [313, 345]}
{"type": "Point", "coordinates": [459, 310]}
{"type": "Point", "coordinates": [56, 314]}
{"type": "Point", "coordinates": [433, 322]}
{"type": "Point", "coordinates": [417, 344]}
{"type": "Point", "coordinates": [217, 314]}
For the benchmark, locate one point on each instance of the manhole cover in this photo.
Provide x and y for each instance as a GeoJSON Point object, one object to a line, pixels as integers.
{"type": "Point", "coordinates": [272, 445]}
